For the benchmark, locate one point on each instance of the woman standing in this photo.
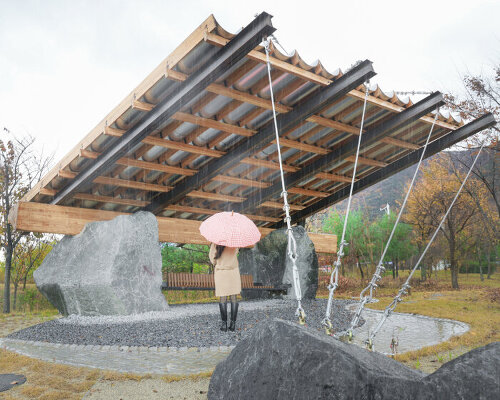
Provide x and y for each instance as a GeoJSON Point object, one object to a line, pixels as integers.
{"type": "Point", "coordinates": [227, 281]}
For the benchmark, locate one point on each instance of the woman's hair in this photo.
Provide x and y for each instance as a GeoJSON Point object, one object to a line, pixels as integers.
{"type": "Point", "coordinates": [218, 250]}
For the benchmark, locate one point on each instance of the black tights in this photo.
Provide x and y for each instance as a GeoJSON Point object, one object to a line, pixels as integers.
{"type": "Point", "coordinates": [223, 299]}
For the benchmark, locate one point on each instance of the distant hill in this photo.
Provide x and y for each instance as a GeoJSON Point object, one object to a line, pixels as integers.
{"type": "Point", "coordinates": [390, 191]}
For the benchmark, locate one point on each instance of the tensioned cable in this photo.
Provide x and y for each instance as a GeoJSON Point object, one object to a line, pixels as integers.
{"type": "Point", "coordinates": [380, 267]}
{"type": "Point", "coordinates": [292, 244]}
{"type": "Point", "coordinates": [404, 289]}
{"type": "Point", "coordinates": [334, 277]}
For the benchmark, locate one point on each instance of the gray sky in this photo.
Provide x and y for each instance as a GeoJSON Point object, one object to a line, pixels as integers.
{"type": "Point", "coordinates": [65, 64]}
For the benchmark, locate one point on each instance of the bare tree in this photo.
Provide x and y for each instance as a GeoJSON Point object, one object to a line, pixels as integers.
{"type": "Point", "coordinates": [20, 168]}
{"type": "Point", "coordinates": [482, 95]}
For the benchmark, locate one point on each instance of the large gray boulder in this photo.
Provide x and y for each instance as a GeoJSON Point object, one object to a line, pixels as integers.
{"type": "Point", "coordinates": [269, 264]}
{"type": "Point", "coordinates": [282, 360]}
{"type": "Point", "coordinates": [110, 268]}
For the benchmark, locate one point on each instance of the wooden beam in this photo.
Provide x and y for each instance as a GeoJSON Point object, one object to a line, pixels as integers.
{"type": "Point", "coordinates": [400, 143]}
{"type": "Point", "coordinates": [126, 183]}
{"type": "Point", "coordinates": [387, 105]}
{"type": "Point", "coordinates": [330, 123]}
{"type": "Point", "coordinates": [333, 177]}
{"type": "Point", "coordinates": [207, 211]}
{"type": "Point", "coordinates": [48, 218]}
{"type": "Point", "coordinates": [150, 166]}
{"type": "Point", "coordinates": [110, 199]}
{"type": "Point", "coordinates": [211, 123]}
{"type": "Point", "coordinates": [188, 148]}
{"type": "Point", "coordinates": [142, 106]}
{"type": "Point", "coordinates": [278, 205]}
{"type": "Point", "coordinates": [241, 181]}
{"type": "Point", "coordinates": [367, 161]}
{"type": "Point", "coordinates": [268, 164]}
{"type": "Point", "coordinates": [256, 55]}
{"type": "Point", "coordinates": [170, 144]}
{"type": "Point", "coordinates": [234, 94]}
{"type": "Point", "coordinates": [307, 192]}
{"type": "Point", "coordinates": [294, 144]}
{"type": "Point", "coordinates": [214, 196]}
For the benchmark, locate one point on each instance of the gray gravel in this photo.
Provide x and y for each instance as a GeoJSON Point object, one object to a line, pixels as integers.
{"type": "Point", "coordinates": [179, 327]}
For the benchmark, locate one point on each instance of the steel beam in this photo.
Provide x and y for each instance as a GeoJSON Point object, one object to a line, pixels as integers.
{"type": "Point", "coordinates": [220, 62]}
{"type": "Point", "coordinates": [402, 163]}
{"type": "Point", "coordinates": [265, 135]}
{"type": "Point", "coordinates": [407, 116]}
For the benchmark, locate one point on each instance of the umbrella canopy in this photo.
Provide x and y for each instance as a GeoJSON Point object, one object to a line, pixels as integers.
{"type": "Point", "coordinates": [230, 229]}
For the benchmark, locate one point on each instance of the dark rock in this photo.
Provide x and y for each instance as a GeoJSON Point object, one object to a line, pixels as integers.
{"type": "Point", "coordinates": [8, 381]}
{"type": "Point", "coordinates": [269, 264]}
{"type": "Point", "coordinates": [282, 360]}
{"type": "Point", "coordinates": [110, 268]}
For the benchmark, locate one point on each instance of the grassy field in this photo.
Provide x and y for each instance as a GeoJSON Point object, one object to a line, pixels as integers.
{"type": "Point", "coordinates": [477, 303]}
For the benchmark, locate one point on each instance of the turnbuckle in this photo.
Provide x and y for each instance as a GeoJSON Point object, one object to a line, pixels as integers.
{"type": "Point", "coordinates": [369, 344]}
{"type": "Point", "coordinates": [328, 326]}
{"type": "Point", "coordinates": [302, 317]}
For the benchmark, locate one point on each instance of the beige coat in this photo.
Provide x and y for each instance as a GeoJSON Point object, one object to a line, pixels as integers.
{"type": "Point", "coordinates": [227, 274]}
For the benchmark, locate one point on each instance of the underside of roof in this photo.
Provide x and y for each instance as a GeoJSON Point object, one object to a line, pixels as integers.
{"type": "Point", "coordinates": [183, 167]}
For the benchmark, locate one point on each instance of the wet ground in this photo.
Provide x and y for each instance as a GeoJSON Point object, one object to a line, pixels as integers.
{"type": "Point", "coordinates": [409, 331]}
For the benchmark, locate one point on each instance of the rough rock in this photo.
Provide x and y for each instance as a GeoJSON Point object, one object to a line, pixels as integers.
{"type": "Point", "coordinates": [110, 268]}
{"type": "Point", "coordinates": [269, 264]}
{"type": "Point", "coordinates": [282, 360]}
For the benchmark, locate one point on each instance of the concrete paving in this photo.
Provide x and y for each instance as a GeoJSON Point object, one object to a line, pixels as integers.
{"type": "Point", "coordinates": [138, 360]}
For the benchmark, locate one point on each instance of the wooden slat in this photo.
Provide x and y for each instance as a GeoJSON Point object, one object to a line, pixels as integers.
{"type": "Point", "coordinates": [210, 123]}
{"type": "Point", "coordinates": [278, 205]}
{"type": "Point", "coordinates": [217, 40]}
{"type": "Point", "coordinates": [150, 166]}
{"type": "Point", "coordinates": [294, 144]}
{"type": "Point", "coordinates": [333, 177]}
{"type": "Point", "coordinates": [104, 180]}
{"type": "Point", "coordinates": [367, 161]}
{"type": "Point", "coordinates": [110, 199]}
{"type": "Point", "coordinates": [233, 93]}
{"type": "Point", "coordinates": [400, 143]}
{"type": "Point", "coordinates": [387, 105]}
{"type": "Point", "coordinates": [307, 192]}
{"type": "Point", "coordinates": [140, 105]}
{"type": "Point", "coordinates": [268, 164]}
{"type": "Point", "coordinates": [215, 196]}
{"type": "Point", "coordinates": [241, 181]}
{"type": "Point", "coordinates": [189, 148]}
{"type": "Point", "coordinates": [207, 211]}
{"type": "Point", "coordinates": [330, 123]}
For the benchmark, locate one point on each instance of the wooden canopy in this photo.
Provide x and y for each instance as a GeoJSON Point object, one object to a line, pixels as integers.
{"type": "Point", "coordinates": [196, 137]}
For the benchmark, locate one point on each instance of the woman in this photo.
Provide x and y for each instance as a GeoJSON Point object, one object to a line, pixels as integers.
{"type": "Point", "coordinates": [227, 281]}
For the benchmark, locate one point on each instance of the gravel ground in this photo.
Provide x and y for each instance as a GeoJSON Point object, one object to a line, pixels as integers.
{"type": "Point", "coordinates": [195, 325]}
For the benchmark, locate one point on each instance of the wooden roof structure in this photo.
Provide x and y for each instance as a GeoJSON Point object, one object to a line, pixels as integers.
{"type": "Point", "coordinates": [196, 137]}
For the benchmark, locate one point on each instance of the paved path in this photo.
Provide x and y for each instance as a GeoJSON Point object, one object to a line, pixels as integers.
{"type": "Point", "coordinates": [139, 360]}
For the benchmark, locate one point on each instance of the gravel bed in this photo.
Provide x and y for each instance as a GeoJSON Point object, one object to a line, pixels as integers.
{"type": "Point", "coordinates": [194, 325]}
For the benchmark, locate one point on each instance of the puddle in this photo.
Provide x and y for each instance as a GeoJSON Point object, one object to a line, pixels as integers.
{"type": "Point", "coordinates": [412, 331]}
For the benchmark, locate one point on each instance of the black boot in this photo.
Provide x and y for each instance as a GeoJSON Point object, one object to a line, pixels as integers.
{"type": "Point", "coordinates": [234, 314]}
{"type": "Point", "coordinates": [223, 316]}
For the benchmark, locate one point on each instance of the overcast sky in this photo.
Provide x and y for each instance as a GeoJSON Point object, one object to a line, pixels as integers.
{"type": "Point", "coordinates": [65, 64]}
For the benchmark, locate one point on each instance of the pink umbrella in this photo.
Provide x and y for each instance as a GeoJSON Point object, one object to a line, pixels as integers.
{"type": "Point", "coordinates": [230, 229]}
